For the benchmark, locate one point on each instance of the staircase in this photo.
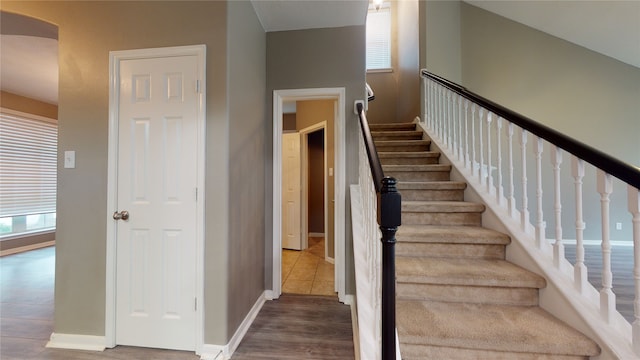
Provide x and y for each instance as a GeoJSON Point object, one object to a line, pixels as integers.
{"type": "Point", "coordinates": [457, 297]}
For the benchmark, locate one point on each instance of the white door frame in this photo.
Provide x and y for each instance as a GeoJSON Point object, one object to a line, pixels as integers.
{"type": "Point", "coordinates": [304, 155]}
{"type": "Point", "coordinates": [115, 58]}
{"type": "Point", "coordinates": [279, 97]}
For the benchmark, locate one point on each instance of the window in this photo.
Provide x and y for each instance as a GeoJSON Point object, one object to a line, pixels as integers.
{"type": "Point", "coordinates": [28, 148]}
{"type": "Point", "coordinates": [379, 38]}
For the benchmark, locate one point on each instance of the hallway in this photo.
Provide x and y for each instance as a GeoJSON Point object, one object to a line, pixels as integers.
{"type": "Point", "coordinates": [307, 271]}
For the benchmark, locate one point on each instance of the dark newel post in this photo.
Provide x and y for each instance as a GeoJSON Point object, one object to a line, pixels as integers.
{"type": "Point", "coordinates": [389, 220]}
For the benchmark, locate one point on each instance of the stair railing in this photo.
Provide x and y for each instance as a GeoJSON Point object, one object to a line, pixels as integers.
{"type": "Point", "coordinates": [381, 203]}
{"type": "Point", "coordinates": [488, 144]}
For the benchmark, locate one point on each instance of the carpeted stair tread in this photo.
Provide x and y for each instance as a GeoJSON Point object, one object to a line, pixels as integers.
{"type": "Point", "coordinates": [408, 154]}
{"type": "Point", "coordinates": [451, 235]}
{"type": "Point", "coordinates": [391, 135]}
{"type": "Point", "coordinates": [431, 185]}
{"type": "Point", "coordinates": [467, 272]}
{"type": "Point", "coordinates": [442, 206]}
{"type": "Point", "coordinates": [416, 168]}
{"type": "Point", "coordinates": [392, 126]}
{"type": "Point", "coordinates": [401, 142]}
{"type": "Point", "coordinates": [516, 329]}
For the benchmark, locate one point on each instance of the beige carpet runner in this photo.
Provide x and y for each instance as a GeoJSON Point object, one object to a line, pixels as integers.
{"type": "Point", "coordinates": [457, 298]}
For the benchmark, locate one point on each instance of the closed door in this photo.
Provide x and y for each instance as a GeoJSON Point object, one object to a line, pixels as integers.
{"type": "Point", "coordinates": [291, 191]}
{"type": "Point", "coordinates": [156, 186]}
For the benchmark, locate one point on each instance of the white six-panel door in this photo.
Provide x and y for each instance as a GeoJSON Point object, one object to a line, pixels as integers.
{"type": "Point", "coordinates": [157, 178]}
{"type": "Point", "coordinates": [291, 191]}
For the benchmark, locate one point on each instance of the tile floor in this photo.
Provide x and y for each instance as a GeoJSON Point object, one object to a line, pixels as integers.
{"type": "Point", "coordinates": [306, 271]}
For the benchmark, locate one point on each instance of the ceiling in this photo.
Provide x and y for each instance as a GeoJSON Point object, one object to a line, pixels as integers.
{"type": "Point", "coordinates": [284, 15]}
{"type": "Point", "coordinates": [29, 62]}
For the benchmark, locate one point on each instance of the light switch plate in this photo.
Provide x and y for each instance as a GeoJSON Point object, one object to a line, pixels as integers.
{"type": "Point", "coordinates": [69, 159]}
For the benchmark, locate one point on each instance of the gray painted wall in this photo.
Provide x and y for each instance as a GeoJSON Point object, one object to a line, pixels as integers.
{"type": "Point", "coordinates": [313, 59]}
{"type": "Point", "coordinates": [591, 97]}
{"type": "Point", "coordinates": [440, 43]}
{"type": "Point", "coordinates": [87, 32]}
{"type": "Point", "coordinates": [246, 51]}
{"type": "Point", "coordinates": [588, 96]}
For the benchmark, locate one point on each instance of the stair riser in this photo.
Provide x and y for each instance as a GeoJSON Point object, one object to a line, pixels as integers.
{"type": "Point", "coordinates": [467, 294]}
{"type": "Point", "coordinates": [409, 161]}
{"type": "Point", "coordinates": [432, 195]}
{"type": "Point", "coordinates": [402, 148]}
{"type": "Point", "coordinates": [472, 251]}
{"type": "Point", "coordinates": [423, 218]}
{"type": "Point", "coordinates": [424, 352]}
{"type": "Point", "coordinates": [392, 127]}
{"type": "Point", "coordinates": [395, 137]}
{"type": "Point", "coordinates": [419, 175]}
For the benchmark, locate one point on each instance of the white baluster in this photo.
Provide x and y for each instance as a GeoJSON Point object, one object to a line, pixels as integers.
{"type": "Point", "coordinates": [524, 215]}
{"type": "Point", "coordinates": [447, 141]}
{"type": "Point", "coordinates": [441, 118]}
{"type": "Point", "coordinates": [607, 297]}
{"type": "Point", "coordinates": [460, 147]}
{"type": "Point", "coordinates": [540, 226]}
{"type": "Point", "coordinates": [558, 247]}
{"type": "Point", "coordinates": [454, 125]}
{"type": "Point", "coordinates": [432, 105]}
{"type": "Point", "coordinates": [425, 91]}
{"type": "Point", "coordinates": [481, 149]}
{"type": "Point", "coordinates": [489, 162]}
{"type": "Point", "coordinates": [499, 188]}
{"type": "Point", "coordinates": [466, 134]}
{"type": "Point", "coordinates": [511, 203]}
{"type": "Point", "coordinates": [634, 208]}
{"type": "Point", "coordinates": [436, 115]}
{"type": "Point", "coordinates": [580, 269]}
{"type": "Point", "coordinates": [473, 139]}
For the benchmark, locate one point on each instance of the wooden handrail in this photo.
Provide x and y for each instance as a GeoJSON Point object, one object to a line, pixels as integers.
{"type": "Point", "coordinates": [372, 153]}
{"type": "Point", "coordinates": [389, 218]}
{"type": "Point", "coordinates": [615, 167]}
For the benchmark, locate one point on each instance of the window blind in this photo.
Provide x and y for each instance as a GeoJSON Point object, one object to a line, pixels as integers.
{"type": "Point", "coordinates": [379, 39]}
{"type": "Point", "coordinates": [28, 150]}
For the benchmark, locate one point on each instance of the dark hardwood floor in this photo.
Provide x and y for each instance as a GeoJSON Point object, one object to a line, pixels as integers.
{"type": "Point", "coordinates": [293, 327]}
{"type": "Point", "coordinates": [299, 327]}
{"type": "Point", "coordinates": [621, 267]}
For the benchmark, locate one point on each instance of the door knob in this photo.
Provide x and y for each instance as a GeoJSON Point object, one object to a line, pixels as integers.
{"type": "Point", "coordinates": [122, 215]}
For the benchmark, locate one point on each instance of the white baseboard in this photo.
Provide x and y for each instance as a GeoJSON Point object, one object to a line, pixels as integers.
{"type": "Point", "coordinates": [77, 342]}
{"type": "Point", "coordinates": [330, 260]}
{"type": "Point", "coordinates": [224, 352]}
{"type": "Point", "coordinates": [268, 295]}
{"type": "Point", "coordinates": [213, 352]}
{"type": "Point", "coordinates": [246, 324]}
{"type": "Point", "coordinates": [27, 248]}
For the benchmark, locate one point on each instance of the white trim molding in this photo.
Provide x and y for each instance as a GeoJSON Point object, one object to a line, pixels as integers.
{"type": "Point", "coordinates": [77, 342]}
{"type": "Point", "coordinates": [279, 97]}
{"type": "Point", "coordinates": [27, 248]}
{"type": "Point", "coordinates": [220, 352]}
{"type": "Point", "coordinates": [115, 58]}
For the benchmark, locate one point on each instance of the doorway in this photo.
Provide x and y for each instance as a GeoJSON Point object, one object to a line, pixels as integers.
{"type": "Point", "coordinates": [336, 178]}
{"type": "Point", "coordinates": [156, 158]}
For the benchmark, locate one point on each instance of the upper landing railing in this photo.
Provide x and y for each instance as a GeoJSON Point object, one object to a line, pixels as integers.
{"type": "Point", "coordinates": [488, 143]}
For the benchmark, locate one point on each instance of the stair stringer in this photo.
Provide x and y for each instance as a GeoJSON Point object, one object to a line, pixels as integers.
{"type": "Point", "coordinates": [560, 297]}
